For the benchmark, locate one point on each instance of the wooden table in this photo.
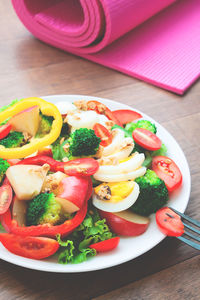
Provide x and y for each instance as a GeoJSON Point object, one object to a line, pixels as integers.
{"type": "Point", "coordinates": [172, 269]}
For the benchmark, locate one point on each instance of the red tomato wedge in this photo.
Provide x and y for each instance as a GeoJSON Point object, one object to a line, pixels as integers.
{"type": "Point", "coordinates": [101, 108]}
{"type": "Point", "coordinates": [126, 115]}
{"type": "Point", "coordinates": [5, 130]}
{"type": "Point", "coordinates": [146, 139]}
{"type": "Point", "coordinates": [169, 222]}
{"type": "Point", "coordinates": [81, 167]}
{"type": "Point", "coordinates": [103, 133]}
{"type": "Point", "coordinates": [106, 245]}
{"type": "Point", "coordinates": [6, 195]}
{"type": "Point", "coordinates": [168, 171]}
{"type": "Point", "coordinates": [30, 247]}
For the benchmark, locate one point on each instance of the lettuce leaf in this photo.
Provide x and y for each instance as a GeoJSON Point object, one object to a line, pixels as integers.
{"type": "Point", "coordinates": [5, 107]}
{"type": "Point", "coordinates": [76, 248]}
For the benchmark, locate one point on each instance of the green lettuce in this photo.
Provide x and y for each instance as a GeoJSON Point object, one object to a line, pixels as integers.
{"type": "Point", "coordinates": [6, 107]}
{"type": "Point", "coordinates": [76, 248]}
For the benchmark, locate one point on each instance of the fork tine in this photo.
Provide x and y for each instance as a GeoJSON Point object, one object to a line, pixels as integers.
{"type": "Point", "coordinates": [191, 228]}
{"type": "Point", "coordinates": [190, 243]}
{"type": "Point", "coordinates": [195, 222]}
{"type": "Point", "coordinates": [195, 237]}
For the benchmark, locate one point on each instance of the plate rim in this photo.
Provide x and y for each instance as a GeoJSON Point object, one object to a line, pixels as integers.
{"type": "Point", "coordinates": [31, 264]}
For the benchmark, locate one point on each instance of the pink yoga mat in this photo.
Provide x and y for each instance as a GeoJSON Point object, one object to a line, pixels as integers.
{"type": "Point", "coordinates": [157, 41]}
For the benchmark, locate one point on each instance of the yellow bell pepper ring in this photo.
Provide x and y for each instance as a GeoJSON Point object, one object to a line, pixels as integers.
{"type": "Point", "coordinates": [48, 109]}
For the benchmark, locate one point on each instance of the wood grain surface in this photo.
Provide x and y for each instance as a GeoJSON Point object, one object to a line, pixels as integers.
{"type": "Point", "coordinates": [170, 270]}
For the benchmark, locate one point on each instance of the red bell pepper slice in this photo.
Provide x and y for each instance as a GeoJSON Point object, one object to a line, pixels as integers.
{"type": "Point", "coordinates": [48, 230]}
{"type": "Point", "coordinates": [77, 167]}
{"type": "Point", "coordinates": [106, 245]}
{"type": "Point", "coordinates": [64, 229]}
{"type": "Point", "coordinates": [5, 130]}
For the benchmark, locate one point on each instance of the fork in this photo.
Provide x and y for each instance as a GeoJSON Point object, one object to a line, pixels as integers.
{"type": "Point", "coordinates": [187, 233]}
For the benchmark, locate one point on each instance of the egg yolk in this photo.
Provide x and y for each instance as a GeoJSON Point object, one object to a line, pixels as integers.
{"type": "Point", "coordinates": [119, 190]}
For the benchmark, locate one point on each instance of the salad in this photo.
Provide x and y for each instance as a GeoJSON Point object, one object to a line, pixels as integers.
{"type": "Point", "coordinates": [76, 177]}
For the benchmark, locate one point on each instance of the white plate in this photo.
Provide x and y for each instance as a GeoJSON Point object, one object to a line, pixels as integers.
{"type": "Point", "coordinates": [129, 248]}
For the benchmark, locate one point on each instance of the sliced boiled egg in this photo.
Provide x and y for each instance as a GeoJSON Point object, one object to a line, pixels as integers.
{"type": "Point", "coordinates": [82, 119]}
{"type": "Point", "coordinates": [124, 152]}
{"type": "Point", "coordinates": [116, 196]}
{"type": "Point", "coordinates": [129, 164]}
{"type": "Point", "coordinates": [127, 169]}
{"type": "Point", "coordinates": [120, 177]}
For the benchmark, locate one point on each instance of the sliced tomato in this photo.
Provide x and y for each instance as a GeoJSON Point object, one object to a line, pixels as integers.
{"type": "Point", "coordinates": [168, 171]}
{"type": "Point", "coordinates": [45, 151]}
{"type": "Point", "coordinates": [169, 222]}
{"type": "Point", "coordinates": [5, 130]}
{"type": "Point", "coordinates": [106, 245]}
{"type": "Point", "coordinates": [6, 195]}
{"type": "Point", "coordinates": [146, 139]}
{"type": "Point", "coordinates": [101, 108]}
{"type": "Point", "coordinates": [81, 167]}
{"type": "Point", "coordinates": [104, 134]}
{"type": "Point", "coordinates": [126, 115]}
{"type": "Point", "coordinates": [30, 247]}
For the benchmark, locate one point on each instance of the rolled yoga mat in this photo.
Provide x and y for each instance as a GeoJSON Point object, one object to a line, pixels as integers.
{"type": "Point", "coordinates": [157, 41]}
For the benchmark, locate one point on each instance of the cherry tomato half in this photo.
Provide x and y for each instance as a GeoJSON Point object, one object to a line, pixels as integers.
{"type": "Point", "coordinates": [126, 115]}
{"type": "Point", "coordinates": [101, 108]}
{"type": "Point", "coordinates": [106, 245]}
{"type": "Point", "coordinates": [103, 133]}
{"type": "Point", "coordinates": [168, 171]}
{"type": "Point", "coordinates": [81, 167]}
{"type": "Point", "coordinates": [31, 247]}
{"type": "Point", "coordinates": [5, 130]}
{"type": "Point", "coordinates": [169, 222]}
{"type": "Point", "coordinates": [6, 195]}
{"type": "Point", "coordinates": [146, 139]}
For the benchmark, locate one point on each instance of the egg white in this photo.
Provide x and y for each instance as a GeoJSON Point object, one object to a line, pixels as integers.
{"type": "Point", "coordinates": [125, 167]}
{"type": "Point", "coordinates": [120, 177]}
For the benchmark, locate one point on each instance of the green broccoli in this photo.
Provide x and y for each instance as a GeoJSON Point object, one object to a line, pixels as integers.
{"type": "Point", "coordinates": [141, 124]}
{"type": "Point", "coordinates": [13, 140]}
{"type": "Point", "coordinates": [4, 165]}
{"type": "Point", "coordinates": [45, 125]}
{"type": "Point", "coordinates": [153, 194]}
{"type": "Point", "coordinates": [43, 209]}
{"type": "Point", "coordinates": [83, 142]}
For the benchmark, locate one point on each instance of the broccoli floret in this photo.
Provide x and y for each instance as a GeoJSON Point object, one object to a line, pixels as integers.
{"type": "Point", "coordinates": [4, 165]}
{"type": "Point", "coordinates": [153, 194]}
{"type": "Point", "coordinates": [43, 209]}
{"type": "Point", "coordinates": [141, 124]}
{"type": "Point", "coordinates": [13, 140]}
{"type": "Point", "coordinates": [83, 141]}
{"type": "Point", "coordinates": [45, 125]}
